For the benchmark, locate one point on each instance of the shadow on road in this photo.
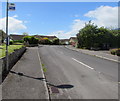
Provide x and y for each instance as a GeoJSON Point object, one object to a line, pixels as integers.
{"type": "Point", "coordinates": [63, 86]}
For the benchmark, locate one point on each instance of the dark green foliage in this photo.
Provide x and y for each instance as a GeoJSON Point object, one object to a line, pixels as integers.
{"type": "Point", "coordinates": [31, 39]}
{"type": "Point", "coordinates": [93, 37]}
{"type": "Point", "coordinates": [45, 41]}
{"type": "Point", "coordinates": [11, 42]}
{"type": "Point", "coordinates": [55, 41]}
{"type": "Point", "coordinates": [18, 41]}
{"type": "Point", "coordinates": [115, 51]}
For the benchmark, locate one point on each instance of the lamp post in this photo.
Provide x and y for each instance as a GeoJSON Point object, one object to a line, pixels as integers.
{"type": "Point", "coordinates": [7, 36]}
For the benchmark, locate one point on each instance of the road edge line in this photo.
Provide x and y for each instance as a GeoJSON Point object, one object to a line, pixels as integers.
{"type": "Point", "coordinates": [45, 84]}
{"type": "Point", "coordinates": [94, 55]}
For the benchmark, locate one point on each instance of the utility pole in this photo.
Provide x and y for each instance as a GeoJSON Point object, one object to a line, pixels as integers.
{"type": "Point", "coordinates": [7, 37]}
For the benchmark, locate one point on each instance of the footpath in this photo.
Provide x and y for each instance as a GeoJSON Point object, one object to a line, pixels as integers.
{"type": "Point", "coordinates": [26, 79]}
{"type": "Point", "coordinates": [101, 54]}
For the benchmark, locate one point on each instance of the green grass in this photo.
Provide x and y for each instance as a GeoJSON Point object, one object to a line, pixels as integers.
{"type": "Point", "coordinates": [44, 69]}
{"type": "Point", "coordinates": [11, 48]}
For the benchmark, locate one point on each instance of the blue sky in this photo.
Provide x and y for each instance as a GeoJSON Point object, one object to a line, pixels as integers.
{"type": "Point", "coordinates": [62, 19]}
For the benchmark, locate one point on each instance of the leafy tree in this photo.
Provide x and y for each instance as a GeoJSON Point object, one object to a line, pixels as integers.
{"type": "Point", "coordinates": [45, 41]}
{"type": "Point", "coordinates": [86, 36]}
{"type": "Point", "coordinates": [25, 34]}
{"type": "Point", "coordinates": [2, 36]}
{"type": "Point", "coordinates": [92, 36]}
{"type": "Point", "coordinates": [55, 41]}
{"type": "Point", "coordinates": [31, 39]}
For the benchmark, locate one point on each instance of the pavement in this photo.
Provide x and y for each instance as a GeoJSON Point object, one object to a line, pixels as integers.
{"type": "Point", "coordinates": [75, 75]}
{"type": "Point", "coordinates": [26, 80]}
{"type": "Point", "coordinates": [68, 75]}
{"type": "Point", "coordinates": [101, 54]}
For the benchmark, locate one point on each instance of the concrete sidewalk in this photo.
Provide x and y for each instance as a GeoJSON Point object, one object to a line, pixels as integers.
{"type": "Point", "coordinates": [26, 79]}
{"type": "Point", "coordinates": [100, 54]}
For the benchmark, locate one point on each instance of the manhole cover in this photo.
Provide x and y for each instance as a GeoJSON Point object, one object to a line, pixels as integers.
{"type": "Point", "coordinates": [54, 90]}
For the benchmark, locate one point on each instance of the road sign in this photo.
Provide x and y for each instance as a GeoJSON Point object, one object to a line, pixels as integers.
{"type": "Point", "coordinates": [11, 7]}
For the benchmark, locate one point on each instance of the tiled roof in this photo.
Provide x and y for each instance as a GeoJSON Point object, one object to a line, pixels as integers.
{"type": "Point", "coordinates": [42, 36]}
{"type": "Point", "coordinates": [16, 37]}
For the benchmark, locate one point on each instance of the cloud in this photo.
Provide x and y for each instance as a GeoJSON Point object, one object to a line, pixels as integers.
{"type": "Point", "coordinates": [106, 16]}
{"type": "Point", "coordinates": [76, 26]}
{"type": "Point", "coordinates": [15, 25]}
{"type": "Point", "coordinates": [15, 16]}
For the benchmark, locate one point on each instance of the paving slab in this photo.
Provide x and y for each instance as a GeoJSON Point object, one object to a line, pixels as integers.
{"type": "Point", "coordinates": [26, 79]}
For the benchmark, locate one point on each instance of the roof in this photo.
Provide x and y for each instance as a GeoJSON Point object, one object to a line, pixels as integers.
{"type": "Point", "coordinates": [16, 37]}
{"type": "Point", "coordinates": [63, 40]}
{"type": "Point", "coordinates": [20, 37]}
{"type": "Point", "coordinates": [43, 36]}
{"type": "Point", "coordinates": [74, 38]}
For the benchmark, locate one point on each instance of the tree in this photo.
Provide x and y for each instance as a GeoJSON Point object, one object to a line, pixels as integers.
{"type": "Point", "coordinates": [25, 34]}
{"type": "Point", "coordinates": [2, 36]}
{"type": "Point", "coordinates": [55, 41]}
{"type": "Point", "coordinates": [86, 36]}
{"type": "Point", "coordinates": [45, 41]}
{"type": "Point", "coordinates": [31, 39]}
{"type": "Point", "coordinates": [93, 37]}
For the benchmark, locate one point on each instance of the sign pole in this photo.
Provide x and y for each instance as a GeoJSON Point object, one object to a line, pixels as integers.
{"type": "Point", "coordinates": [7, 37]}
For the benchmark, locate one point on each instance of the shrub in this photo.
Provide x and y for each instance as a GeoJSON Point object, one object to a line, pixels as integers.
{"type": "Point", "coordinates": [55, 41]}
{"type": "Point", "coordinates": [18, 41]}
{"type": "Point", "coordinates": [118, 52]}
{"type": "Point", "coordinates": [115, 52]}
{"type": "Point", "coordinates": [11, 42]}
{"type": "Point", "coordinates": [31, 39]}
{"type": "Point", "coordinates": [45, 41]}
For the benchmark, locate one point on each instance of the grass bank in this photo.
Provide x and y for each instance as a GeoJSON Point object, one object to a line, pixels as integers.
{"type": "Point", "coordinates": [11, 48]}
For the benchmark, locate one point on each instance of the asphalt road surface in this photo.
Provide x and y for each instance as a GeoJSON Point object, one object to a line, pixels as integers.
{"type": "Point", "coordinates": [74, 75]}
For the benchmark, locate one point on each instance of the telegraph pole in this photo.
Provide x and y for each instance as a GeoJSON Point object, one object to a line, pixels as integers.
{"type": "Point", "coordinates": [7, 37]}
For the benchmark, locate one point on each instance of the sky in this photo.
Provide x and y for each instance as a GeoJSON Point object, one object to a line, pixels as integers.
{"type": "Point", "coordinates": [62, 19]}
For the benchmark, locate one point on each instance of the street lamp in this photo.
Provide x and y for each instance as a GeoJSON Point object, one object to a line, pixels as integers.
{"type": "Point", "coordinates": [7, 36]}
{"type": "Point", "coordinates": [9, 7]}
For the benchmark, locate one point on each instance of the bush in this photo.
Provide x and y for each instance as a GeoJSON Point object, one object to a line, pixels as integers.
{"type": "Point", "coordinates": [31, 39]}
{"type": "Point", "coordinates": [11, 42]}
{"type": "Point", "coordinates": [55, 41]}
{"type": "Point", "coordinates": [45, 41]}
{"type": "Point", "coordinates": [118, 52]}
{"type": "Point", "coordinates": [115, 52]}
{"type": "Point", "coordinates": [18, 41]}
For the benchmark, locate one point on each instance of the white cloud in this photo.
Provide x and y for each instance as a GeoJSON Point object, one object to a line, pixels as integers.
{"type": "Point", "coordinates": [106, 16]}
{"type": "Point", "coordinates": [76, 26]}
{"type": "Point", "coordinates": [14, 24]}
{"type": "Point", "coordinates": [15, 16]}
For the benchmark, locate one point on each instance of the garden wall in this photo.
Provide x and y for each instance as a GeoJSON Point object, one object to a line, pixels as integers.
{"type": "Point", "coordinates": [12, 59]}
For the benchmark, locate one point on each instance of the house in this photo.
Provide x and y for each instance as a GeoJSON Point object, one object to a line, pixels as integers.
{"type": "Point", "coordinates": [73, 41]}
{"type": "Point", "coordinates": [43, 36]}
{"type": "Point", "coordinates": [16, 37]}
{"type": "Point", "coordinates": [64, 41]}
{"type": "Point", "coordinates": [2, 36]}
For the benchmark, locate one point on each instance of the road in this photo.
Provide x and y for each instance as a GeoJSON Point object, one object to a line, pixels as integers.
{"type": "Point", "coordinates": [74, 75]}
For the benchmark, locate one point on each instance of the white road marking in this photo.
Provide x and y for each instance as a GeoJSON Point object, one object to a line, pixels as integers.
{"type": "Point", "coordinates": [107, 58]}
{"type": "Point", "coordinates": [82, 63]}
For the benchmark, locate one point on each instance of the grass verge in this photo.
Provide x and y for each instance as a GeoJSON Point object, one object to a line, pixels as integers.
{"type": "Point", "coordinates": [11, 48]}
